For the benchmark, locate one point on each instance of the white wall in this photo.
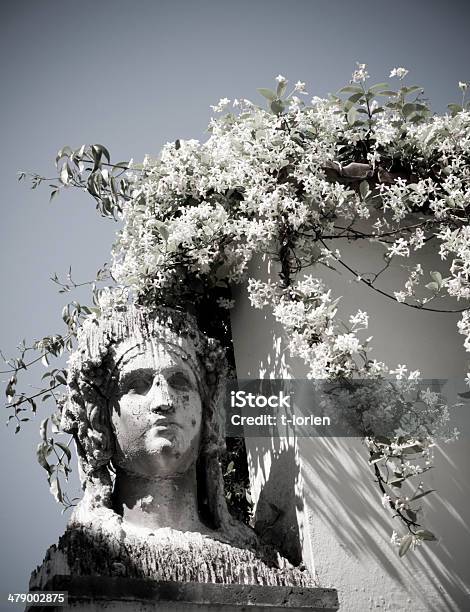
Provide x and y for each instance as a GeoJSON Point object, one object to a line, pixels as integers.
{"type": "Point", "coordinates": [333, 507]}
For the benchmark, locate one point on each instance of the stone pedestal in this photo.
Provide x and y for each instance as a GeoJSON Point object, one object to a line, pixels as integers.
{"type": "Point", "coordinates": [100, 593]}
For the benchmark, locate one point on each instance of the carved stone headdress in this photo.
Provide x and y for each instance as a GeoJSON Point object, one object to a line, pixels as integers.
{"type": "Point", "coordinates": [92, 381]}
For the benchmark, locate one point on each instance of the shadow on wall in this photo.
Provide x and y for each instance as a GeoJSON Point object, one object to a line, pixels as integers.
{"type": "Point", "coordinates": [343, 522]}
{"type": "Point", "coordinates": [343, 501]}
{"type": "Point", "coordinates": [280, 498]}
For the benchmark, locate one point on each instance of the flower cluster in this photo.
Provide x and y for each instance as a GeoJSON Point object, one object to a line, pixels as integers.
{"type": "Point", "coordinates": [289, 183]}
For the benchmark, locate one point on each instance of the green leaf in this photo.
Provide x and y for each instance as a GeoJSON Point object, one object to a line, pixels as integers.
{"type": "Point", "coordinates": [162, 230]}
{"type": "Point", "coordinates": [43, 429]}
{"type": "Point", "coordinates": [281, 89]}
{"type": "Point", "coordinates": [98, 150]}
{"type": "Point", "coordinates": [382, 440]}
{"type": "Point", "coordinates": [388, 93]}
{"type": "Point", "coordinates": [432, 286]}
{"type": "Point", "coordinates": [376, 88]}
{"type": "Point", "coordinates": [364, 189]}
{"type": "Point", "coordinates": [405, 545]}
{"type": "Point", "coordinates": [64, 152]}
{"type": "Point", "coordinates": [10, 390]}
{"type": "Point", "coordinates": [409, 90]}
{"type": "Point", "coordinates": [351, 89]}
{"type": "Point", "coordinates": [41, 454]}
{"type": "Point", "coordinates": [422, 494]}
{"type": "Point", "coordinates": [414, 448]}
{"type": "Point", "coordinates": [437, 277]}
{"type": "Point", "coordinates": [424, 534]}
{"type": "Point", "coordinates": [56, 490]}
{"type": "Point", "coordinates": [277, 106]}
{"type": "Point", "coordinates": [351, 116]}
{"type": "Point", "coordinates": [355, 97]}
{"type": "Point", "coordinates": [66, 450]}
{"type": "Point", "coordinates": [454, 108]}
{"type": "Point", "coordinates": [408, 109]}
{"type": "Point", "coordinates": [267, 93]}
{"type": "Point", "coordinates": [65, 174]}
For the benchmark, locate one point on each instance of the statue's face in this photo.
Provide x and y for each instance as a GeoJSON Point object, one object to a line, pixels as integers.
{"type": "Point", "coordinates": [157, 418]}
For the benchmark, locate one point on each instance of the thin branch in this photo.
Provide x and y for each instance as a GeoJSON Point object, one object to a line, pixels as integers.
{"type": "Point", "coordinates": [31, 397]}
{"type": "Point", "coordinates": [387, 295]}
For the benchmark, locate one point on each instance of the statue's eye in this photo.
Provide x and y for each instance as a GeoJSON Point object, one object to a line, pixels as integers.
{"type": "Point", "coordinates": [137, 385]}
{"type": "Point", "coordinates": [179, 381]}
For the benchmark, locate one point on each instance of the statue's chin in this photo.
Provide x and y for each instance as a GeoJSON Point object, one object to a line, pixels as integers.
{"type": "Point", "coordinates": [159, 445]}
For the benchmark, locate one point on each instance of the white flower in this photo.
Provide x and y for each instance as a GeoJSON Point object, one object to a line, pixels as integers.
{"type": "Point", "coordinates": [400, 248]}
{"type": "Point", "coordinates": [359, 320]}
{"type": "Point", "coordinates": [417, 239]}
{"type": "Point", "coordinates": [377, 368]}
{"type": "Point", "coordinates": [109, 298]}
{"type": "Point", "coordinates": [300, 87]}
{"type": "Point", "coordinates": [224, 303]}
{"type": "Point", "coordinates": [360, 74]}
{"type": "Point", "coordinates": [400, 371]}
{"type": "Point", "coordinates": [399, 72]}
{"type": "Point", "coordinates": [429, 397]}
{"type": "Point", "coordinates": [400, 296]}
{"type": "Point", "coordinates": [386, 500]}
{"type": "Point", "coordinates": [223, 102]}
{"type": "Point", "coordinates": [281, 79]}
{"type": "Point", "coordinates": [347, 343]}
{"type": "Point", "coordinates": [463, 86]}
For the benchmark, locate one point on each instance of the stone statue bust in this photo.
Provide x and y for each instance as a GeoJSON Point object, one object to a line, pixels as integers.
{"type": "Point", "coordinates": [144, 406]}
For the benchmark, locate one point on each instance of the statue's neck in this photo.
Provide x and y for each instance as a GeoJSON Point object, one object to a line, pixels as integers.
{"type": "Point", "coordinates": [158, 503]}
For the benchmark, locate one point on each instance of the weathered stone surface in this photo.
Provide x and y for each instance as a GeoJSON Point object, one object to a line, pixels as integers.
{"type": "Point", "coordinates": [167, 555]}
{"type": "Point", "coordinates": [96, 593]}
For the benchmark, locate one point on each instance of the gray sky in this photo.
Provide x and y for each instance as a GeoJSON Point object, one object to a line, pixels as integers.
{"type": "Point", "coordinates": [133, 75]}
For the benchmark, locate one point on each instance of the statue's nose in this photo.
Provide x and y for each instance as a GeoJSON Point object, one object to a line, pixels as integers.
{"type": "Point", "coordinates": [160, 398]}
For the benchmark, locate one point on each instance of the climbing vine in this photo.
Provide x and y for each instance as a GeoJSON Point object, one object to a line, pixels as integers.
{"type": "Point", "coordinates": [292, 181]}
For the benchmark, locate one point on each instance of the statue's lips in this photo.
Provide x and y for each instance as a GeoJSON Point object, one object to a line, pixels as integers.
{"type": "Point", "coordinates": [163, 423]}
